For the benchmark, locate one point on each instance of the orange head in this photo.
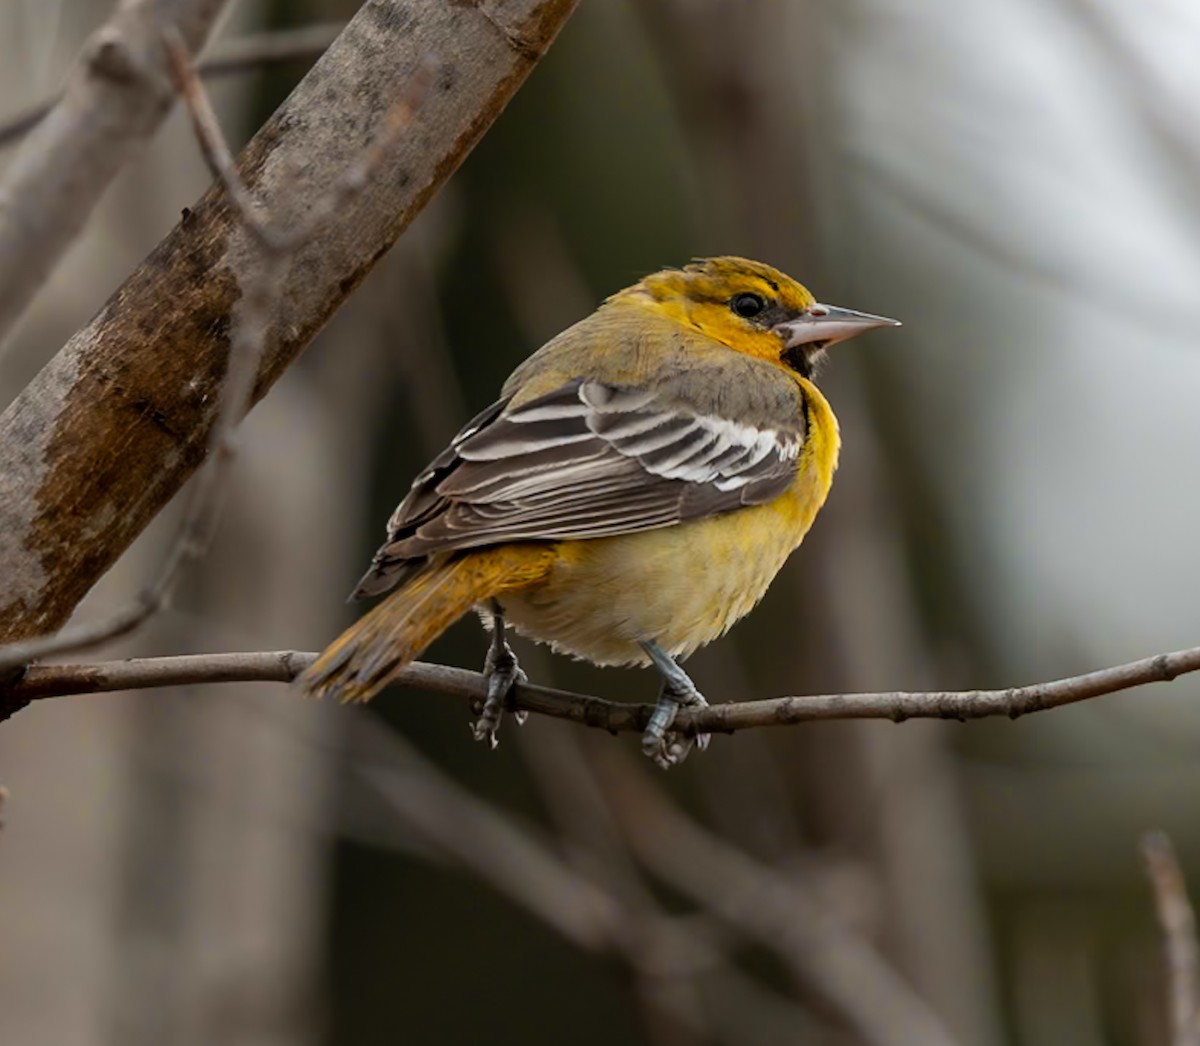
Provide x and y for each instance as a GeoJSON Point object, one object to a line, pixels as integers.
{"type": "Point", "coordinates": [753, 308]}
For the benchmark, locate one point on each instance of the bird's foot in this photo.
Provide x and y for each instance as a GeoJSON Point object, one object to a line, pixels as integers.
{"type": "Point", "coordinates": [503, 673]}
{"type": "Point", "coordinates": [668, 747]}
{"type": "Point", "coordinates": [665, 746]}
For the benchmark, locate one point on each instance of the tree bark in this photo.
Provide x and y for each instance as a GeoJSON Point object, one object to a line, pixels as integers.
{"type": "Point", "coordinates": [116, 422]}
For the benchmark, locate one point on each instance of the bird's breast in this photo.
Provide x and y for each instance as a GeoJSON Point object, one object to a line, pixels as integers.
{"type": "Point", "coordinates": [680, 586]}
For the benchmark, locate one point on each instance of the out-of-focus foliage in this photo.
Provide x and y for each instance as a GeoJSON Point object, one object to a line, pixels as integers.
{"type": "Point", "coordinates": [1016, 181]}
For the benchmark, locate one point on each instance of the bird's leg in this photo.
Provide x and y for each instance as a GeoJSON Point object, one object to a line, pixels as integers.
{"type": "Point", "coordinates": [662, 744]}
{"type": "Point", "coordinates": [503, 673]}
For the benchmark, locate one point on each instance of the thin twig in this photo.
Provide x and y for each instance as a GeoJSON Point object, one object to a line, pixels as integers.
{"type": "Point", "coordinates": [1178, 924]}
{"type": "Point", "coordinates": [43, 681]}
{"type": "Point", "coordinates": [240, 55]}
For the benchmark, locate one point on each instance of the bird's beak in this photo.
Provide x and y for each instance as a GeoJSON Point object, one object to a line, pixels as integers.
{"type": "Point", "coordinates": [827, 324]}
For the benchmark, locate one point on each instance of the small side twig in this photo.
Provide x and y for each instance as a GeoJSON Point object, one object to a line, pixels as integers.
{"type": "Point", "coordinates": [239, 55]}
{"type": "Point", "coordinates": [1178, 923]}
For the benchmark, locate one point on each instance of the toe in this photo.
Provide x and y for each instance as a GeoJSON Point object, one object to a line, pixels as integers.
{"type": "Point", "coordinates": [485, 730]}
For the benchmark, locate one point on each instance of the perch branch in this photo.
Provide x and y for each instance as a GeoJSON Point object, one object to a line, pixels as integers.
{"type": "Point", "coordinates": [43, 681]}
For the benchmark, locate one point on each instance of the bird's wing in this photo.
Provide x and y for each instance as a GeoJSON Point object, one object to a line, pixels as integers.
{"type": "Point", "coordinates": [587, 460]}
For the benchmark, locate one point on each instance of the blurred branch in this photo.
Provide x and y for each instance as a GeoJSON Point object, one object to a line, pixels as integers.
{"type": "Point", "coordinates": [1170, 123]}
{"type": "Point", "coordinates": [111, 428]}
{"type": "Point", "coordinates": [869, 996]}
{"type": "Point", "coordinates": [1179, 932]}
{"type": "Point", "coordinates": [240, 55]}
{"type": "Point", "coordinates": [117, 95]}
{"type": "Point", "coordinates": [521, 864]}
{"type": "Point", "coordinates": [42, 681]}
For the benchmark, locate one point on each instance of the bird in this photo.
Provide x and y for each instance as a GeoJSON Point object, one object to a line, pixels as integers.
{"type": "Point", "coordinates": [632, 493]}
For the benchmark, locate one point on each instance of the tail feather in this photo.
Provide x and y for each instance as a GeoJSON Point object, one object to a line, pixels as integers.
{"type": "Point", "coordinates": [375, 649]}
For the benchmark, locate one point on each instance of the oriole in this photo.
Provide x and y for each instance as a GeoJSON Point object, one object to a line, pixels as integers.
{"type": "Point", "coordinates": [632, 493]}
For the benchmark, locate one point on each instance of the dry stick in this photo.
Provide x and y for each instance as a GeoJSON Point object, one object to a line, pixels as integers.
{"type": "Point", "coordinates": [239, 55]}
{"type": "Point", "coordinates": [1179, 937]}
{"type": "Point", "coordinates": [262, 273]}
{"type": "Point", "coordinates": [42, 681]}
{"type": "Point", "coordinates": [116, 97]}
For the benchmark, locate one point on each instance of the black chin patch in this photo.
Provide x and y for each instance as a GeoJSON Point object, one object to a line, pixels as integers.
{"type": "Point", "coordinates": [803, 358]}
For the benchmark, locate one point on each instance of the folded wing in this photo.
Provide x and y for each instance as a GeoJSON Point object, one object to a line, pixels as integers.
{"type": "Point", "coordinates": [584, 461]}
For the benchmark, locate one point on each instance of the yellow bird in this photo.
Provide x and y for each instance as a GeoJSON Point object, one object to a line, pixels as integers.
{"type": "Point", "coordinates": [632, 493]}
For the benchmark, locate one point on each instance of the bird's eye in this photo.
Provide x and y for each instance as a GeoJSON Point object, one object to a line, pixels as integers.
{"type": "Point", "coordinates": [747, 305]}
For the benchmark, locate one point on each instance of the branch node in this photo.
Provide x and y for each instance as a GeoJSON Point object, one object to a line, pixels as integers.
{"type": "Point", "coordinates": [1164, 668]}
{"type": "Point", "coordinates": [110, 58]}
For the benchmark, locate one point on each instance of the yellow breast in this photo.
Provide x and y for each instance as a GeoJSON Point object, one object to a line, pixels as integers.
{"type": "Point", "coordinates": [681, 586]}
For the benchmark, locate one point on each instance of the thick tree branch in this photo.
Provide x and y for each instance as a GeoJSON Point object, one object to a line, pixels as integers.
{"type": "Point", "coordinates": [259, 288]}
{"type": "Point", "coordinates": [241, 54]}
{"type": "Point", "coordinates": [118, 93]}
{"type": "Point", "coordinates": [283, 666]}
{"type": "Point", "coordinates": [109, 430]}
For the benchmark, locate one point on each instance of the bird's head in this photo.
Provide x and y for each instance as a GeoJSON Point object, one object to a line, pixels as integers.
{"type": "Point", "coordinates": [755, 309]}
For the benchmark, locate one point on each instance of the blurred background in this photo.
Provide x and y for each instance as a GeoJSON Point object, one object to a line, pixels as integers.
{"type": "Point", "coordinates": [1019, 182]}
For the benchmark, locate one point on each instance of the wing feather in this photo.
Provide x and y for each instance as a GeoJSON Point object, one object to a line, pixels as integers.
{"type": "Point", "coordinates": [586, 460]}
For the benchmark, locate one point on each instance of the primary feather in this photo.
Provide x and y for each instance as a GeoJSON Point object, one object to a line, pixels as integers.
{"type": "Point", "coordinates": [586, 460]}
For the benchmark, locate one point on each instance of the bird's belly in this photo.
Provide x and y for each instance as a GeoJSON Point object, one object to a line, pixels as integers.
{"type": "Point", "coordinates": [680, 587]}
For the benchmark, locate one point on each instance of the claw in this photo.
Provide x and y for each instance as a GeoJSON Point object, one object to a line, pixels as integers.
{"type": "Point", "coordinates": [503, 672]}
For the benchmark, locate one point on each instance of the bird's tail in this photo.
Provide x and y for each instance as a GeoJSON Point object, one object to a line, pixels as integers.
{"type": "Point", "coordinates": [375, 649]}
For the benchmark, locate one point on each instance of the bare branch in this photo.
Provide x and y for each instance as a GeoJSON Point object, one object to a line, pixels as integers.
{"type": "Point", "coordinates": [43, 681]}
{"type": "Point", "coordinates": [87, 461]}
{"type": "Point", "coordinates": [117, 96]}
{"type": "Point", "coordinates": [260, 276]}
{"type": "Point", "coordinates": [241, 54]}
{"type": "Point", "coordinates": [1179, 937]}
